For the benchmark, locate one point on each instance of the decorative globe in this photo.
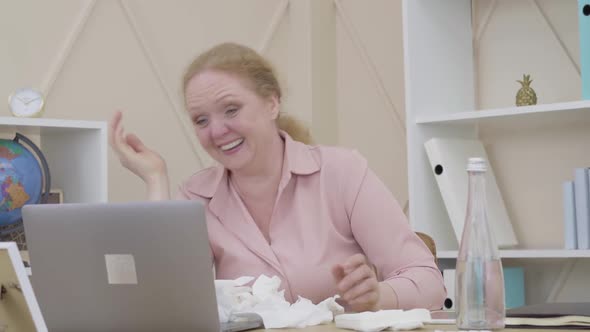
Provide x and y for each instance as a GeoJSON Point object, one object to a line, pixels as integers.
{"type": "Point", "coordinates": [23, 180]}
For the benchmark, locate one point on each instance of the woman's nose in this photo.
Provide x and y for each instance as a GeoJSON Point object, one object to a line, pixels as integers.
{"type": "Point", "coordinates": [218, 128]}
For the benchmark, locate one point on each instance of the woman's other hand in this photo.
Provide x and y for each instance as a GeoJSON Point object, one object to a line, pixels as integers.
{"type": "Point", "coordinates": [357, 283]}
{"type": "Point", "coordinates": [139, 159]}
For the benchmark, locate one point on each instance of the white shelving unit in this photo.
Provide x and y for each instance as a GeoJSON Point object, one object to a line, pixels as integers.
{"type": "Point", "coordinates": [76, 152]}
{"type": "Point", "coordinates": [440, 102]}
{"type": "Point", "coordinates": [438, 59]}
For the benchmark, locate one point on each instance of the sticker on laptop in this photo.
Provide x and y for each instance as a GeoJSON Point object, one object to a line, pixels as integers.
{"type": "Point", "coordinates": [121, 269]}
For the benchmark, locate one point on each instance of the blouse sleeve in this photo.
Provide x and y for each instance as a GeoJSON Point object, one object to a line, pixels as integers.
{"type": "Point", "coordinates": [381, 229]}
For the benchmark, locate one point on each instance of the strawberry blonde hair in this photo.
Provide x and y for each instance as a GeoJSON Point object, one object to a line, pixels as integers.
{"type": "Point", "coordinates": [256, 70]}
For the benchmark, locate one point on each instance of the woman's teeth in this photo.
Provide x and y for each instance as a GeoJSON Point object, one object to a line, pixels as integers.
{"type": "Point", "coordinates": [232, 145]}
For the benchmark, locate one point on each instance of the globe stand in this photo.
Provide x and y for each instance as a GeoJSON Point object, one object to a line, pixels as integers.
{"type": "Point", "coordinates": [15, 232]}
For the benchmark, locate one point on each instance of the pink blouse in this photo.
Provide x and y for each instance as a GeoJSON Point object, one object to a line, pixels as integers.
{"type": "Point", "coordinates": [330, 206]}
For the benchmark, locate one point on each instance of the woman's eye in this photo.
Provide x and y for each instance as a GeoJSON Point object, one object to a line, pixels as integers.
{"type": "Point", "coordinates": [201, 122]}
{"type": "Point", "coordinates": [231, 111]}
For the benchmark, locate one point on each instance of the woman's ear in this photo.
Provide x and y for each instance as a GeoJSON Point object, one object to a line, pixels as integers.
{"type": "Point", "coordinates": [274, 106]}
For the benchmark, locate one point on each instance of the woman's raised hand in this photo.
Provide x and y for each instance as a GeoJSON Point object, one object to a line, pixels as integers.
{"type": "Point", "coordinates": [139, 159]}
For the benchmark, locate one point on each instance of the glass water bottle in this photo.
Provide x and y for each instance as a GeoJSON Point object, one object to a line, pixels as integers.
{"type": "Point", "coordinates": [479, 284]}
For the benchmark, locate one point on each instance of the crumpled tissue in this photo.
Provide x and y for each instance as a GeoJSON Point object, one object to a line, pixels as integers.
{"type": "Point", "coordinates": [265, 299]}
{"type": "Point", "coordinates": [396, 320]}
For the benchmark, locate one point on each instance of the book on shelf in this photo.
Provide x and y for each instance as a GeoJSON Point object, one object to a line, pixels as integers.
{"type": "Point", "coordinates": [582, 206]}
{"type": "Point", "coordinates": [448, 160]}
{"type": "Point", "coordinates": [569, 216]}
{"type": "Point", "coordinates": [562, 315]}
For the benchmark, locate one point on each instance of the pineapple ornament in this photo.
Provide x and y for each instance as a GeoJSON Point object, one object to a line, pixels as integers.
{"type": "Point", "coordinates": [526, 95]}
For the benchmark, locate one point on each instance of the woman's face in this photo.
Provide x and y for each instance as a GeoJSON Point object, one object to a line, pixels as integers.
{"type": "Point", "coordinates": [232, 122]}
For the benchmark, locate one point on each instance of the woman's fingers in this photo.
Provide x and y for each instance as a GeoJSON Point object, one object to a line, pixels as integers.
{"type": "Point", "coordinates": [357, 283]}
{"type": "Point", "coordinates": [360, 289]}
{"type": "Point", "coordinates": [119, 141]}
{"type": "Point", "coordinates": [135, 143]}
{"type": "Point", "coordinates": [351, 279]}
{"type": "Point", "coordinates": [366, 301]}
{"type": "Point", "coordinates": [114, 124]}
{"type": "Point", "coordinates": [117, 135]}
{"type": "Point", "coordinates": [353, 262]}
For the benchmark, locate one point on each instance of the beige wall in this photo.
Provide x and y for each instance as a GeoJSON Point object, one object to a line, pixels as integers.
{"type": "Point", "coordinates": [93, 57]}
{"type": "Point", "coordinates": [341, 63]}
{"type": "Point", "coordinates": [371, 87]}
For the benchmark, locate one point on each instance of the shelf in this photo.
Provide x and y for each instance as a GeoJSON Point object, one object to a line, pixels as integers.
{"type": "Point", "coordinates": [517, 117]}
{"type": "Point", "coordinates": [40, 126]}
{"type": "Point", "coordinates": [46, 122]}
{"type": "Point", "coordinates": [526, 253]}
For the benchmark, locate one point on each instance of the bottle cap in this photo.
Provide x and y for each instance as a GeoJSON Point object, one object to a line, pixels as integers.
{"type": "Point", "coordinates": [477, 165]}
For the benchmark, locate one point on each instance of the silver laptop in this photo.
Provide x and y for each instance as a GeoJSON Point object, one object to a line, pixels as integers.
{"type": "Point", "coordinates": [143, 266]}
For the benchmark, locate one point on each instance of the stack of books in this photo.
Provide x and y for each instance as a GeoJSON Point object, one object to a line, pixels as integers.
{"type": "Point", "coordinates": [576, 210]}
{"type": "Point", "coordinates": [550, 315]}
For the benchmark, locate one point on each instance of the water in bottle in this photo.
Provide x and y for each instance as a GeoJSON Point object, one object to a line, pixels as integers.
{"type": "Point", "coordinates": [479, 288]}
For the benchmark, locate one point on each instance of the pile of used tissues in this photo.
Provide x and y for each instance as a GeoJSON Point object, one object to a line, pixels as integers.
{"type": "Point", "coordinates": [265, 299]}
{"type": "Point", "coordinates": [384, 320]}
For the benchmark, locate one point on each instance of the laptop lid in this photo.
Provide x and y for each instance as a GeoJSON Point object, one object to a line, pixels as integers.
{"type": "Point", "coordinates": [122, 266]}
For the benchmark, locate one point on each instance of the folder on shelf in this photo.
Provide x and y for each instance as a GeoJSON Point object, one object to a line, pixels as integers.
{"type": "Point", "coordinates": [582, 203]}
{"type": "Point", "coordinates": [448, 160]}
{"type": "Point", "coordinates": [584, 25]}
{"type": "Point", "coordinates": [449, 281]}
{"type": "Point", "coordinates": [569, 216]}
